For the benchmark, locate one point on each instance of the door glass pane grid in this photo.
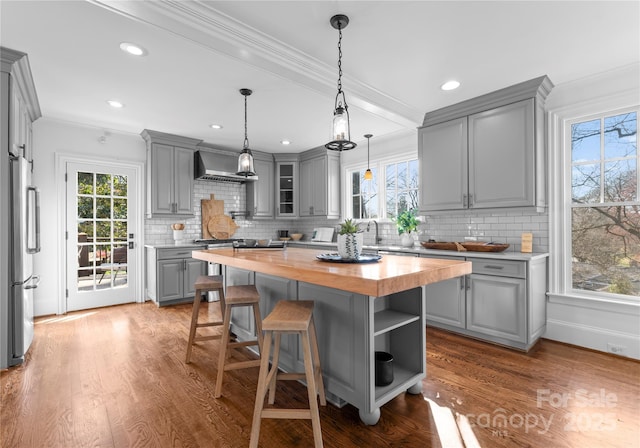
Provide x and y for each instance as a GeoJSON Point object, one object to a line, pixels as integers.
{"type": "Point", "coordinates": [102, 231]}
{"type": "Point", "coordinates": [605, 212]}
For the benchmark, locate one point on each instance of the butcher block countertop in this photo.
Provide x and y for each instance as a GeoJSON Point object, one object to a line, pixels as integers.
{"type": "Point", "coordinates": [389, 275]}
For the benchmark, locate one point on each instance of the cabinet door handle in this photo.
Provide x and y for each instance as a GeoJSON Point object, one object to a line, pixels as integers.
{"type": "Point", "coordinates": [467, 282]}
{"type": "Point", "coordinates": [462, 282]}
{"type": "Point", "coordinates": [464, 200]}
{"type": "Point", "coordinates": [470, 200]}
{"type": "Point", "coordinates": [493, 266]}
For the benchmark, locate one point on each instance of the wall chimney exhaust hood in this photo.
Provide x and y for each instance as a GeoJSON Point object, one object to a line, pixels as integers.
{"type": "Point", "coordinates": [218, 166]}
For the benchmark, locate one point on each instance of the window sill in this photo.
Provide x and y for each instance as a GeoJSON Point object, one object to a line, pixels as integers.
{"type": "Point", "coordinates": [611, 304]}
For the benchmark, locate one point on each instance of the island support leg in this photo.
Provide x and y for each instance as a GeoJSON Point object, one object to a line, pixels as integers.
{"type": "Point", "coordinates": [369, 418]}
{"type": "Point", "coordinates": [416, 388]}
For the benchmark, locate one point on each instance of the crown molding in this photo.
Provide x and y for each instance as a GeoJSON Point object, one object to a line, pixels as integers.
{"type": "Point", "coordinates": [199, 22]}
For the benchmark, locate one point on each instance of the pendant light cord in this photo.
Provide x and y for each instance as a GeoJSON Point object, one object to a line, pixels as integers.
{"type": "Point", "coordinates": [339, 60]}
{"type": "Point", "coordinates": [246, 139]}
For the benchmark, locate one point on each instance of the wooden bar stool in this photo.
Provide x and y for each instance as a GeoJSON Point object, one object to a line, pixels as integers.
{"type": "Point", "coordinates": [236, 296]}
{"type": "Point", "coordinates": [204, 283]}
{"type": "Point", "coordinates": [290, 317]}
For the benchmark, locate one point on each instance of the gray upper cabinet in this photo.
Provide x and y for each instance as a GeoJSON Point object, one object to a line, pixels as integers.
{"type": "Point", "coordinates": [320, 183]}
{"type": "Point", "coordinates": [501, 157]}
{"type": "Point", "coordinates": [260, 193]}
{"type": "Point", "coordinates": [488, 152]}
{"type": "Point", "coordinates": [170, 175]}
{"type": "Point", "coordinates": [287, 189]}
{"type": "Point", "coordinates": [22, 107]}
{"type": "Point", "coordinates": [443, 165]}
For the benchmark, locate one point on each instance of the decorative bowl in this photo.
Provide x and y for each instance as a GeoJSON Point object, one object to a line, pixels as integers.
{"type": "Point", "coordinates": [297, 236]}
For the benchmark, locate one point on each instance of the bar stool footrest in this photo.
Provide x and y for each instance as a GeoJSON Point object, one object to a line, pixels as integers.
{"type": "Point", "coordinates": [287, 413]}
{"type": "Point", "coordinates": [242, 365]}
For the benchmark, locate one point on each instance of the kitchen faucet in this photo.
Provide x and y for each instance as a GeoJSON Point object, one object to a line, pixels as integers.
{"type": "Point", "coordinates": [378, 239]}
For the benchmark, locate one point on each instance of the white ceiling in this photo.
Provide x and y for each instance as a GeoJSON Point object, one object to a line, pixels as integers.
{"type": "Point", "coordinates": [396, 54]}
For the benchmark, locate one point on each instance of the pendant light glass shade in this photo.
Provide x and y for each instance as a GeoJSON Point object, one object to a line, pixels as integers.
{"type": "Point", "coordinates": [245, 163]}
{"type": "Point", "coordinates": [368, 175]}
{"type": "Point", "coordinates": [245, 160]}
{"type": "Point", "coordinates": [340, 132]}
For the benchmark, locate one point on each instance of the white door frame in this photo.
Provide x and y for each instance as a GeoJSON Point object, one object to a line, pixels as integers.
{"type": "Point", "coordinates": [61, 161]}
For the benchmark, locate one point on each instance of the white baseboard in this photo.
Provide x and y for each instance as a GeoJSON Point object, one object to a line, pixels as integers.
{"type": "Point", "coordinates": [593, 337]}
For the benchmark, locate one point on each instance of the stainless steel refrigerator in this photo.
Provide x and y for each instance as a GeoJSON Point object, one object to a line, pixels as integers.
{"type": "Point", "coordinates": [24, 241]}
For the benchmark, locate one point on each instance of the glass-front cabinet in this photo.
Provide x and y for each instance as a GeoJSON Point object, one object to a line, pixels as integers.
{"type": "Point", "coordinates": [286, 185]}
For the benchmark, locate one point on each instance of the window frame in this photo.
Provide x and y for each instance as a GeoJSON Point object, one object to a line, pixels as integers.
{"type": "Point", "coordinates": [561, 205]}
{"type": "Point", "coordinates": [379, 163]}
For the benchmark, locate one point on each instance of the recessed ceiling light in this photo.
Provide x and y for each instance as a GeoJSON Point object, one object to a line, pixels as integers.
{"type": "Point", "coordinates": [285, 142]}
{"type": "Point", "coordinates": [450, 85]}
{"type": "Point", "coordinates": [115, 104]}
{"type": "Point", "coordinates": [133, 49]}
{"type": "Point", "coordinates": [215, 126]}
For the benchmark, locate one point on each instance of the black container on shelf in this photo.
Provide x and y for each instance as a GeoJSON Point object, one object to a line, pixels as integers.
{"type": "Point", "coordinates": [384, 368]}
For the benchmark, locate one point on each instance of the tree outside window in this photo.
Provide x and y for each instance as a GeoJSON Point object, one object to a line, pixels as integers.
{"type": "Point", "coordinates": [605, 207]}
{"type": "Point", "coordinates": [364, 195]}
{"type": "Point", "coordinates": [401, 187]}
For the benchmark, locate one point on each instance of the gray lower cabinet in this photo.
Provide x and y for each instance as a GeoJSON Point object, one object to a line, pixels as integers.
{"type": "Point", "coordinates": [502, 301]}
{"type": "Point", "coordinates": [171, 274]}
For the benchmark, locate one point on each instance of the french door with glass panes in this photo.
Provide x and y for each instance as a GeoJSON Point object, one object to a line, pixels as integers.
{"type": "Point", "coordinates": [100, 223]}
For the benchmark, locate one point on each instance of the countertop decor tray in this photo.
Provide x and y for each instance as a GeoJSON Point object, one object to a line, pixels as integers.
{"type": "Point", "coordinates": [335, 258]}
{"type": "Point", "coordinates": [272, 245]}
{"type": "Point", "coordinates": [471, 246]}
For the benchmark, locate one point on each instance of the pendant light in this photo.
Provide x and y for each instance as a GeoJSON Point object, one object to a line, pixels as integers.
{"type": "Point", "coordinates": [340, 132]}
{"type": "Point", "coordinates": [245, 160]}
{"type": "Point", "coordinates": [368, 175]}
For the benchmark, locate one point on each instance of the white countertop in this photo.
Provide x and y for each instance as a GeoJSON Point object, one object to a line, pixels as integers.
{"type": "Point", "coordinates": [418, 250]}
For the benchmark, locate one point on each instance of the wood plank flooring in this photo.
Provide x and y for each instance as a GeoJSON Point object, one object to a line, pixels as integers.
{"type": "Point", "coordinates": [116, 377]}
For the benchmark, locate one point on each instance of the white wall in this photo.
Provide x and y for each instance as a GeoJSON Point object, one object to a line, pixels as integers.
{"type": "Point", "coordinates": [56, 137]}
{"type": "Point", "coordinates": [586, 321]}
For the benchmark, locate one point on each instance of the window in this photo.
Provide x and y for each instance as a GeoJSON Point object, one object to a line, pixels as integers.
{"type": "Point", "coordinates": [401, 187]}
{"type": "Point", "coordinates": [384, 197]}
{"type": "Point", "coordinates": [364, 195]}
{"type": "Point", "coordinates": [605, 206]}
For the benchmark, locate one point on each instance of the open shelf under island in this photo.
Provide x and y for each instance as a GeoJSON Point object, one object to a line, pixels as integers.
{"type": "Point", "coordinates": [359, 309]}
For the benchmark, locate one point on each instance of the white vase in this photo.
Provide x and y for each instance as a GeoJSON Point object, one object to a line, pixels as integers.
{"type": "Point", "coordinates": [406, 240]}
{"type": "Point", "coordinates": [350, 245]}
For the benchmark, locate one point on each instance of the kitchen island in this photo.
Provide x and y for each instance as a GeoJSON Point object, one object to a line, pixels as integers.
{"type": "Point", "coordinates": [360, 308]}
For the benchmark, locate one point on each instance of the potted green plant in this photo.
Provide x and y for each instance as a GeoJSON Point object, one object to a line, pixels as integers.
{"type": "Point", "coordinates": [350, 240]}
{"type": "Point", "coordinates": [407, 223]}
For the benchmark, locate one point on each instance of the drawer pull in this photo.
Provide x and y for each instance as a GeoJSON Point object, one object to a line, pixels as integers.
{"type": "Point", "coordinates": [182, 253]}
{"type": "Point", "coordinates": [493, 266]}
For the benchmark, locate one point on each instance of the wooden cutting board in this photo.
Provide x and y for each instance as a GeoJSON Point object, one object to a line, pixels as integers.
{"type": "Point", "coordinates": [210, 208]}
{"type": "Point", "coordinates": [221, 227]}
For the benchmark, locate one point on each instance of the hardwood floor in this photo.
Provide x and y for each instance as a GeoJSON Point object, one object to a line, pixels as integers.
{"type": "Point", "coordinates": [116, 377]}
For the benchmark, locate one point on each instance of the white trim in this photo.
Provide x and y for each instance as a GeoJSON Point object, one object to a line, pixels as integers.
{"type": "Point", "coordinates": [595, 338]}
{"type": "Point", "coordinates": [60, 163]}
{"type": "Point", "coordinates": [560, 183]}
{"type": "Point", "coordinates": [202, 23]}
{"type": "Point", "coordinates": [379, 163]}
{"type": "Point", "coordinates": [616, 304]}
